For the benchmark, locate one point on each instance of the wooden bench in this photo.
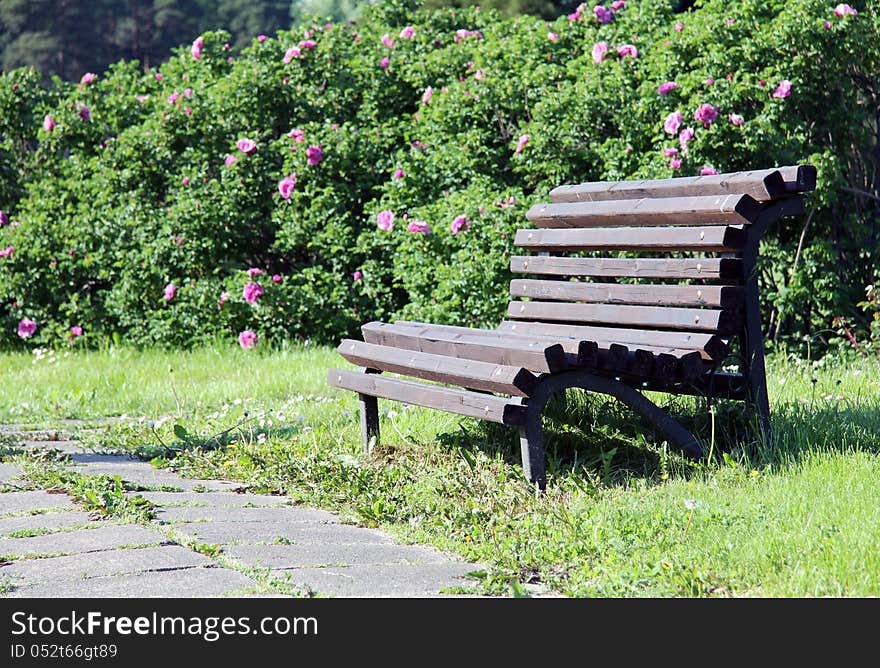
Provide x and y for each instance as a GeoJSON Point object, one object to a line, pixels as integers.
{"type": "Point", "coordinates": [687, 304]}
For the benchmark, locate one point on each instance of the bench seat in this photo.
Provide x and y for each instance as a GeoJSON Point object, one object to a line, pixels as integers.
{"type": "Point", "coordinates": [636, 286]}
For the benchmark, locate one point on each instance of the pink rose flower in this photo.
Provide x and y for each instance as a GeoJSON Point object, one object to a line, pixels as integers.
{"type": "Point", "coordinates": [617, 5]}
{"type": "Point", "coordinates": [291, 53]}
{"type": "Point", "coordinates": [459, 224]}
{"type": "Point", "coordinates": [247, 339]}
{"type": "Point", "coordinates": [170, 291]}
{"type": "Point", "coordinates": [357, 275]}
{"type": "Point", "coordinates": [254, 271]}
{"type": "Point", "coordinates": [314, 155]}
{"type": "Point", "coordinates": [230, 160]}
{"type": "Point", "coordinates": [673, 122]}
{"type": "Point", "coordinates": [710, 81]}
{"type": "Point", "coordinates": [827, 25]}
{"type": "Point", "coordinates": [185, 180]}
{"type": "Point", "coordinates": [246, 146]}
{"type": "Point", "coordinates": [666, 88]}
{"type": "Point", "coordinates": [627, 50]}
{"type": "Point", "coordinates": [706, 113]}
{"type": "Point", "coordinates": [708, 170]}
{"type": "Point", "coordinates": [48, 123]}
{"type": "Point", "coordinates": [552, 36]}
{"type": "Point", "coordinates": [188, 111]}
{"type": "Point", "coordinates": [196, 48]}
{"type": "Point", "coordinates": [418, 227]}
{"type": "Point", "coordinates": [669, 152]}
{"type": "Point", "coordinates": [783, 89]}
{"type": "Point", "coordinates": [736, 119]}
{"type": "Point", "coordinates": [679, 26]}
{"type": "Point", "coordinates": [675, 163]}
{"type": "Point", "coordinates": [385, 62]}
{"type": "Point", "coordinates": [6, 252]}
{"type": "Point", "coordinates": [26, 328]}
{"type": "Point", "coordinates": [684, 137]}
{"type": "Point", "coordinates": [158, 76]}
{"type": "Point", "coordinates": [604, 14]}
{"type": "Point", "coordinates": [307, 44]}
{"type": "Point", "coordinates": [407, 33]}
{"type": "Point", "coordinates": [574, 16]}
{"type": "Point", "coordinates": [286, 186]}
{"type": "Point", "coordinates": [844, 10]}
{"type": "Point", "coordinates": [276, 278]}
{"type": "Point", "coordinates": [385, 220]}
{"type": "Point", "coordinates": [387, 41]}
{"type": "Point", "coordinates": [87, 78]}
{"type": "Point", "coordinates": [224, 296]}
{"type": "Point", "coordinates": [297, 135]}
{"type": "Point", "coordinates": [4, 219]}
{"type": "Point", "coordinates": [521, 143]}
{"type": "Point", "coordinates": [84, 112]}
{"type": "Point", "coordinates": [75, 331]}
{"type": "Point", "coordinates": [261, 38]}
{"type": "Point", "coordinates": [252, 292]}
{"type": "Point", "coordinates": [173, 97]}
{"type": "Point", "coordinates": [427, 95]}
{"type": "Point", "coordinates": [188, 92]}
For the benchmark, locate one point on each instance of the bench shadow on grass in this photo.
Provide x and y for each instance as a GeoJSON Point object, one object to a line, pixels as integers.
{"type": "Point", "coordinates": [589, 436]}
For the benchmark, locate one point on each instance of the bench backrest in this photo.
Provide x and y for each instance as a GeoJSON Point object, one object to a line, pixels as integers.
{"type": "Point", "coordinates": [663, 265]}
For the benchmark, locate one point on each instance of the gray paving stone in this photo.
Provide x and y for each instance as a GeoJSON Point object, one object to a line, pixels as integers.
{"type": "Point", "coordinates": [58, 520]}
{"type": "Point", "coordinates": [77, 567]}
{"type": "Point", "coordinates": [9, 473]}
{"type": "Point", "coordinates": [307, 555]}
{"type": "Point", "coordinates": [187, 583]}
{"type": "Point", "coordinates": [382, 580]}
{"type": "Point", "coordinates": [65, 446]}
{"type": "Point", "coordinates": [143, 473]}
{"type": "Point", "coordinates": [220, 532]}
{"type": "Point", "coordinates": [217, 499]}
{"type": "Point", "coordinates": [16, 502]}
{"type": "Point", "coordinates": [104, 537]}
{"type": "Point", "coordinates": [288, 514]}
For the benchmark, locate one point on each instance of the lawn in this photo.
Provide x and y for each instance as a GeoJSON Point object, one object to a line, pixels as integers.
{"type": "Point", "coordinates": [622, 515]}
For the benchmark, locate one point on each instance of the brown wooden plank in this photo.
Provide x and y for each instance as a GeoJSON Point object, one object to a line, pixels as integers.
{"type": "Point", "coordinates": [655, 317]}
{"type": "Point", "coordinates": [533, 354]}
{"type": "Point", "coordinates": [673, 268]}
{"type": "Point", "coordinates": [712, 345]}
{"type": "Point", "coordinates": [470, 374]}
{"type": "Point", "coordinates": [711, 239]}
{"type": "Point", "coordinates": [709, 210]}
{"type": "Point", "coordinates": [462, 402]}
{"type": "Point", "coordinates": [799, 178]}
{"type": "Point", "coordinates": [569, 345]}
{"type": "Point", "coordinates": [648, 294]}
{"type": "Point", "coordinates": [762, 185]}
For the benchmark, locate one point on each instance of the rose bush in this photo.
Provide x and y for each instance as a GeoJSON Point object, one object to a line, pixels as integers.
{"type": "Point", "coordinates": [380, 169]}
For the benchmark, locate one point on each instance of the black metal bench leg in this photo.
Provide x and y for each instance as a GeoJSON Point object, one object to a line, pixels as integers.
{"type": "Point", "coordinates": [531, 443]}
{"type": "Point", "coordinates": [369, 421]}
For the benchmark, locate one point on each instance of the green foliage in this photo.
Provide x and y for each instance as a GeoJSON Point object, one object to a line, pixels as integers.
{"type": "Point", "coordinates": [109, 211]}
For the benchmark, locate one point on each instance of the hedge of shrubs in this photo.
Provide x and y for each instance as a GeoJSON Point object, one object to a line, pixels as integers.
{"type": "Point", "coordinates": [340, 173]}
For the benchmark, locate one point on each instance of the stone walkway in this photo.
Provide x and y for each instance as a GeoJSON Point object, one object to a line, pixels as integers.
{"type": "Point", "coordinates": [206, 540]}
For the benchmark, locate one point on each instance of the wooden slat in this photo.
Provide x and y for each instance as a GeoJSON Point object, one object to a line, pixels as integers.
{"type": "Point", "coordinates": [462, 402]}
{"type": "Point", "coordinates": [648, 294]}
{"type": "Point", "coordinates": [655, 317]}
{"type": "Point", "coordinates": [469, 374]}
{"type": "Point", "coordinates": [762, 185]}
{"type": "Point", "coordinates": [534, 354]}
{"type": "Point", "coordinates": [673, 268]}
{"type": "Point", "coordinates": [712, 345]}
{"type": "Point", "coordinates": [712, 239]}
{"type": "Point", "coordinates": [799, 178]}
{"type": "Point", "coordinates": [711, 210]}
{"type": "Point", "coordinates": [578, 352]}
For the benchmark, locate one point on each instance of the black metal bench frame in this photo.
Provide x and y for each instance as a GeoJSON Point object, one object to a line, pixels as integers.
{"type": "Point", "coordinates": [525, 412]}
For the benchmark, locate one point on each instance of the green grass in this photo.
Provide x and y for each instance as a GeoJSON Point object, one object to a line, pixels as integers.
{"type": "Point", "coordinates": [623, 515]}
